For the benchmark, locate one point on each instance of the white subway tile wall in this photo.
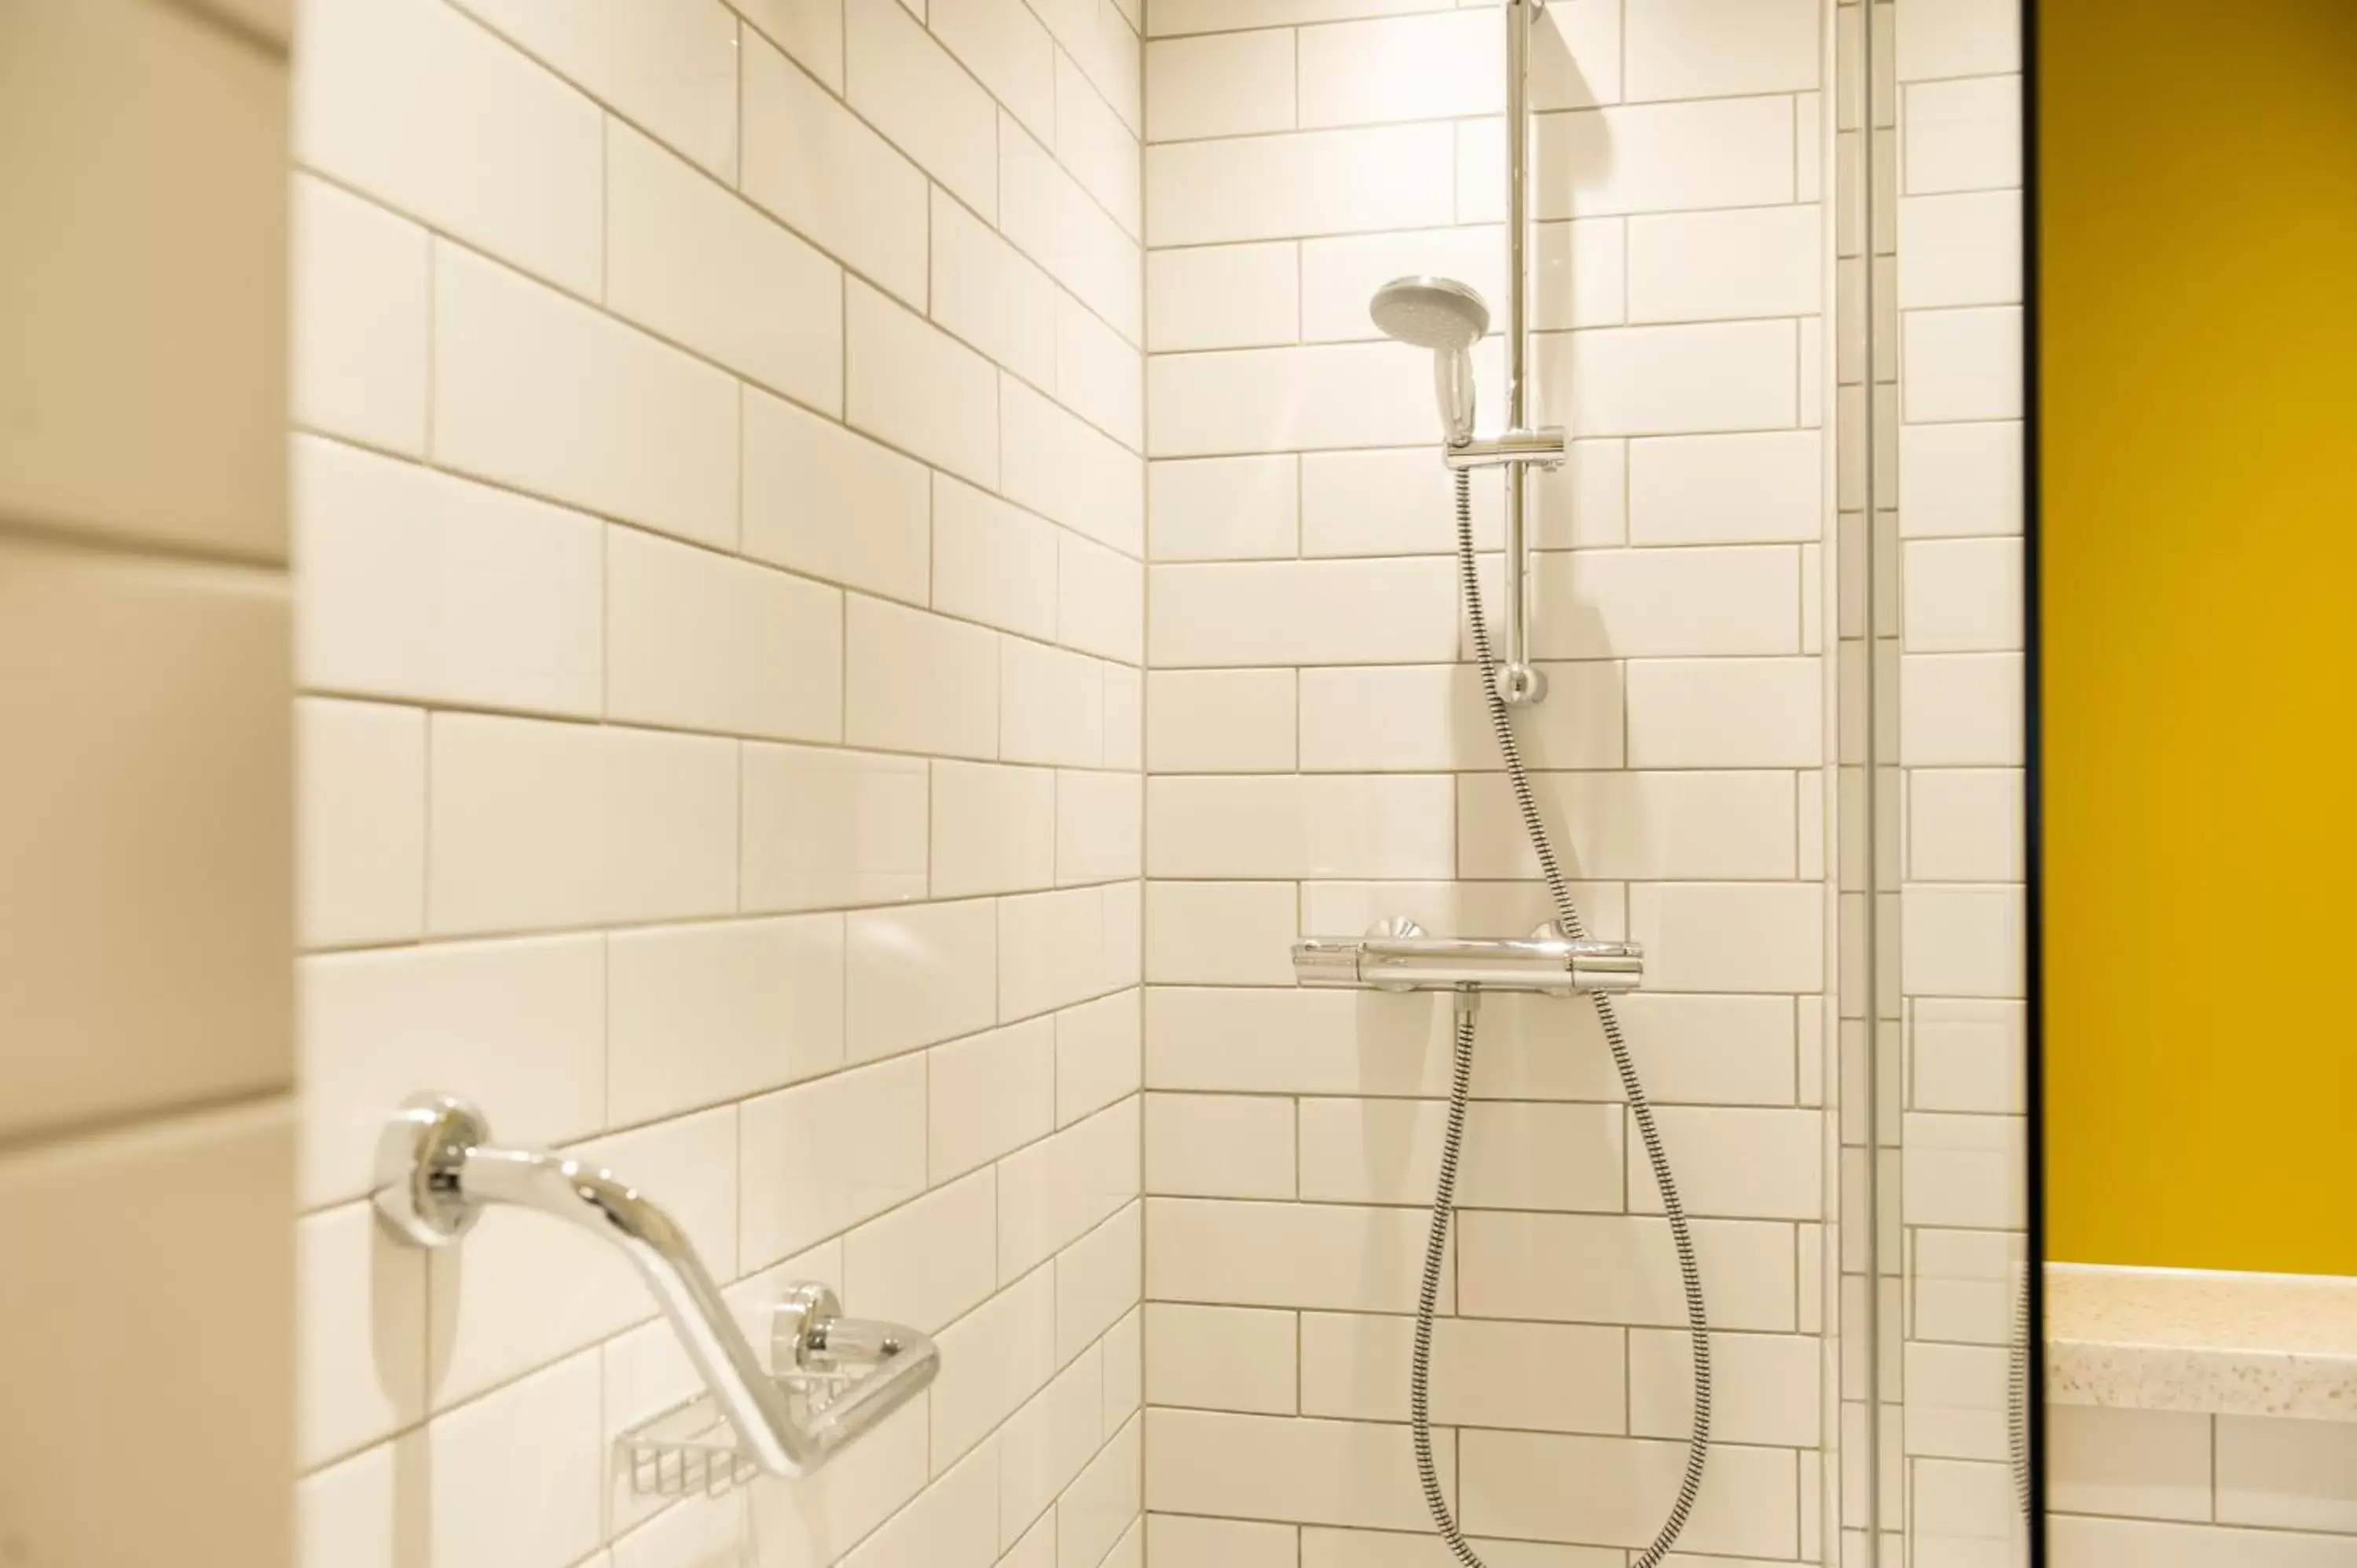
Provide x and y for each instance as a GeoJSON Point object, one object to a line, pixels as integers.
{"type": "Point", "coordinates": [1318, 758]}
{"type": "Point", "coordinates": [1935, 496]}
{"type": "Point", "coordinates": [2185, 1489]}
{"type": "Point", "coordinates": [719, 514]}
{"type": "Point", "coordinates": [803, 503]}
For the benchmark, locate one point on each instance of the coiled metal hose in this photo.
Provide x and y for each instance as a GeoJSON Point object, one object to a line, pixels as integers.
{"type": "Point", "coordinates": [2016, 1403]}
{"type": "Point", "coordinates": [1460, 1091]}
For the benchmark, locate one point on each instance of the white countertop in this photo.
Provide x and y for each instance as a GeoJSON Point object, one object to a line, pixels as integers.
{"type": "Point", "coordinates": [2191, 1339]}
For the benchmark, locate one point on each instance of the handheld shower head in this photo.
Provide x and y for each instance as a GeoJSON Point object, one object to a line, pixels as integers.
{"type": "Point", "coordinates": [1447, 318]}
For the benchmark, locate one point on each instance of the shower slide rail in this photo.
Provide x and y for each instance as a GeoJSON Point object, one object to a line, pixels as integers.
{"type": "Point", "coordinates": [829, 1378]}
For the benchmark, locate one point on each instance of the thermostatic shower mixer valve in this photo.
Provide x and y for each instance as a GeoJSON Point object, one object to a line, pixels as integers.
{"type": "Point", "coordinates": [1398, 956]}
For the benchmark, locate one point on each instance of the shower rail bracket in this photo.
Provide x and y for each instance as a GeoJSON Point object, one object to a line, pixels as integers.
{"type": "Point", "coordinates": [829, 1378]}
{"type": "Point", "coordinates": [1398, 956]}
{"type": "Point", "coordinates": [1541, 448]}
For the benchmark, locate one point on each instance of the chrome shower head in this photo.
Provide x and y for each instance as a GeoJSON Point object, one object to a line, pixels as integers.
{"type": "Point", "coordinates": [1447, 318]}
{"type": "Point", "coordinates": [1430, 312]}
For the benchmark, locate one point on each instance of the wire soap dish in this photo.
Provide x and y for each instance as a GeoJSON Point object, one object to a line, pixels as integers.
{"type": "Point", "coordinates": [829, 1367]}
{"type": "Point", "coordinates": [829, 1378]}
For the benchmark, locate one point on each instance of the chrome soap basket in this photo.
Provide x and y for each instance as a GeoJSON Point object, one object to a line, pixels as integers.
{"type": "Point", "coordinates": [829, 1378]}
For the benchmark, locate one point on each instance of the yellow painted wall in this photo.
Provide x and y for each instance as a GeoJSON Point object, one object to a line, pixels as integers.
{"type": "Point", "coordinates": [2197, 177]}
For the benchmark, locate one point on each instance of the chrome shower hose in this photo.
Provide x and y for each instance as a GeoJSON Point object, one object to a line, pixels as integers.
{"type": "Point", "coordinates": [1460, 1089]}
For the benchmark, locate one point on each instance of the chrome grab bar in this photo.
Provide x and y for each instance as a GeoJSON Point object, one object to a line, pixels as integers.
{"type": "Point", "coordinates": [1398, 956]}
{"type": "Point", "coordinates": [437, 1169]}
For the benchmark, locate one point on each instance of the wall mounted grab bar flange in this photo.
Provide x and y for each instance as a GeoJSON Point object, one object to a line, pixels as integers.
{"type": "Point", "coordinates": [421, 1156]}
{"type": "Point", "coordinates": [833, 1377]}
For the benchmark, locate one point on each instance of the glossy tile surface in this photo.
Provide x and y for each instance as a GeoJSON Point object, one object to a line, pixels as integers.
{"type": "Point", "coordinates": [721, 504]}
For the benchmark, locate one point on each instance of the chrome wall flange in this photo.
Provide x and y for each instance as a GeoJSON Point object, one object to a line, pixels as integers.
{"type": "Point", "coordinates": [798, 1328]}
{"type": "Point", "coordinates": [1522, 685]}
{"type": "Point", "coordinates": [421, 1158]}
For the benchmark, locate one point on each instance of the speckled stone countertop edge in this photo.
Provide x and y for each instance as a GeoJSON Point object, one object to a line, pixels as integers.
{"type": "Point", "coordinates": [2201, 1341]}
